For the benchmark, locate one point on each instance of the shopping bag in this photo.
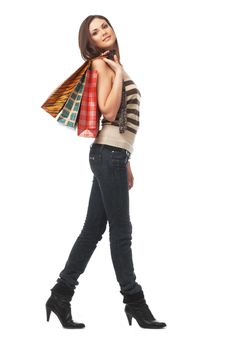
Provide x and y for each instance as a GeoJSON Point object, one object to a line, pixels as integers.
{"type": "Point", "coordinates": [69, 113]}
{"type": "Point", "coordinates": [71, 88]}
{"type": "Point", "coordinates": [74, 102]}
{"type": "Point", "coordinates": [89, 116]}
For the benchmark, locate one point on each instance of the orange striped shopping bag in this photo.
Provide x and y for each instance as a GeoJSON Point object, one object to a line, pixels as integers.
{"type": "Point", "coordinates": [64, 102]}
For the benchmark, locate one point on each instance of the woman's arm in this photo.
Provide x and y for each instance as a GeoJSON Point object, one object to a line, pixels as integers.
{"type": "Point", "coordinates": [108, 93]}
{"type": "Point", "coordinates": [130, 176]}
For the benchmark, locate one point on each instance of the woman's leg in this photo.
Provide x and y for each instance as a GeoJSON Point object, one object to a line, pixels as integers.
{"type": "Point", "coordinates": [109, 167]}
{"type": "Point", "coordinates": [85, 244]}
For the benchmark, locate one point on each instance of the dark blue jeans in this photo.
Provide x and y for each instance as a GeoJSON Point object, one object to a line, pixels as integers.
{"type": "Point", "coordinates": [109, 201]}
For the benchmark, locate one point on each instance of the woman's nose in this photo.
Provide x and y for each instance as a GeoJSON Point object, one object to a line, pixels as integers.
{"type": "Point", "coordinates": [104, 34]}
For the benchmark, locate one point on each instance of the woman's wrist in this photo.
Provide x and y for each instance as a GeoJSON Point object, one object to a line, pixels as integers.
{"type": "Point", "coordinates": [119, 74]}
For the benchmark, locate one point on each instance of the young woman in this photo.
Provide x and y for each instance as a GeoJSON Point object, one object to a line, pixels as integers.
{"type": "Point", "coordinates": [118, 100]}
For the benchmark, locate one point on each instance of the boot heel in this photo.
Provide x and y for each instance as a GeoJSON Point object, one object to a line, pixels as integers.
{"type": "Point", "coordinates": [129, 317]}
{"type": "Point", "coordinates": [48, 312]}
{"type": "Point", "coordinates": [60, 305]}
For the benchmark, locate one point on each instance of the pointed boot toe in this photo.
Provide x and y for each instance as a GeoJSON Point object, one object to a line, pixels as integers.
{"type": "Point", "coordinates": [60, 305]}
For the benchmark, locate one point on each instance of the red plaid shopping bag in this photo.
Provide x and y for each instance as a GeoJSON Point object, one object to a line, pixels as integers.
{"type": "Point", "coordinates": [89, 115]}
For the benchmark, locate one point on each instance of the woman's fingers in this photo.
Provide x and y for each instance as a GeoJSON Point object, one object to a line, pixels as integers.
{"type": "Point", "coordinates": [115, 58]}
{"type": "Point", "coordinates": [104, 53]}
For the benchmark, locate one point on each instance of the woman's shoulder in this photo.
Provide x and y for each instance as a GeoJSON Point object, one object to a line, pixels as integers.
{"type": "Point", "coordinates": [99, 64]}
{"type": "Point", "coordinates": [102, 67]}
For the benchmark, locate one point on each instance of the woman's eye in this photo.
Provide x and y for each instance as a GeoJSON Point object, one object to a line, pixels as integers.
{"type": "Point", "coordinates": [105, 26]}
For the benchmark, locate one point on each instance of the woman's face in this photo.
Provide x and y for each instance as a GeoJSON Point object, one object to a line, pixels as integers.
{"type": "Point", "coordinates": [99, 31]}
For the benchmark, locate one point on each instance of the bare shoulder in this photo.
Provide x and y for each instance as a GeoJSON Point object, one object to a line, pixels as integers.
{"type": "Point", "coordinates": [102, 67]}
{"type": "Point", "coordinates": [99, 64]}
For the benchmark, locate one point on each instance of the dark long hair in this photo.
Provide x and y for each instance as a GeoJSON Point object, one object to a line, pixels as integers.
{"type": "Point", "coordinates": [87, 48]}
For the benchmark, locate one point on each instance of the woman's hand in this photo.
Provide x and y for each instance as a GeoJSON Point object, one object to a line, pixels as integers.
{"type": "Point", "coordinates": [130, 176]}
{"type": "Point", "coordinates": [114, 65]}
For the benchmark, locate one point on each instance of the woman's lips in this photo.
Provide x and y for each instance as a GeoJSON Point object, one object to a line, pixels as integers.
{"type": "Point", "coordinates": [108, 37]}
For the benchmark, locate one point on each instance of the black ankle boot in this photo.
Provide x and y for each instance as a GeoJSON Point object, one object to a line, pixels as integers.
{"type": "Point", "coordinates": [59, 303]}
{"type": "Point", "coordinates": [137, 307]}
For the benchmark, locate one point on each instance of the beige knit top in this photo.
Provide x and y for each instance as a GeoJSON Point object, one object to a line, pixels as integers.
{"type": "Point", "coordinates": [109, 133]}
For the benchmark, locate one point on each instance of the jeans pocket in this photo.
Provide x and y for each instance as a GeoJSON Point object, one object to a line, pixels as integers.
{"type": "Point", "coordinates": [94, 156]}
{"type": "Point", "coordinates": [119, 159]}
{"type": "Point", "coordinates": [91, 155]}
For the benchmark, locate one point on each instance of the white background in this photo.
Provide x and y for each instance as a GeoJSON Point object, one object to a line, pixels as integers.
{"type": "Point", "coordinates": [179, 53]}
